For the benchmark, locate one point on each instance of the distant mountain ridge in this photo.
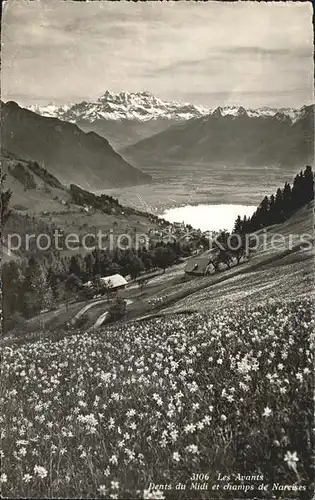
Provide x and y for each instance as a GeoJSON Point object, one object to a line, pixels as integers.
{"type": "Point", "coordinates": [141, 106]}
{"type": "Point", "coordinates": [231, 139]}
{"type": "Point", "coordinates": [128, 117]}
{"type": "Point", "coordinates": [67, 152]}
{"type": "Point", "coordinates": [144, 106]}
{"type": "Point", "coordinates": [123, 118]}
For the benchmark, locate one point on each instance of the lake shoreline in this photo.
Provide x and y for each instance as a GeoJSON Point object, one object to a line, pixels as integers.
{"type": "Point", "coordinates": [208, 217]}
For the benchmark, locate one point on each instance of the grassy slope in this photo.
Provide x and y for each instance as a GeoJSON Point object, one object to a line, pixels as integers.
{"type": "Point", "coordinates": [40, 202]}
{"type": "Point", "coordinates": [269, 271]}
{"type": "Point", "coordinates": [223, 390]}
{"type": "Point", "coordinates": [32, 200]}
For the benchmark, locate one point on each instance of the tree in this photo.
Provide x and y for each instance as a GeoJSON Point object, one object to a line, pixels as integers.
{"type": "Point", "coordinates": [5, 198]}
{"type": "Point", "coordinates": [135, 266]}
{"type": "Point", "coordinates": [97, 284]}
{"type": "Point", "coordinates": [106, 263]}
{"type": "Point", "coordinates": [287, 199]}
{"type": "Point", "coordinates": [36, 292]}
{"type": "Point", "coordinates": [146, 258]}
{"type": "Point", "coordinates": [72, 285]}
{"type": "Point", "coordinates": [142, 283]}
{"type": "Point", "coordinates": [281, 206]}
{"type": "Point", "coordinates": [245, 225]}
{"type": "Point", "coordinates": [89, 261]}
{"type": "Point", "coordinates": [263, 212]}
{"type": "Point", "coordinates": [164, 256]}
{"type": "Point", "coordinates": [308, 184]}
{"type": "Point", "coordinates": [11, 283]}
{"type": "Point", "coordinates": [97, 261]}
{"type": "Point", "coordinates": [279, 214]}
{"type": "Point", "coordinates": [105, 288]}
{"type": "Point", "coordinates": [74, 267]}
{"type": "Point", "coordinates": [237, 244]}
{"type": "Point", "coordinates": [271, 213]}
{"type": "Point", "coordinates": [238, 225]}
{"type": "Point", "coordinates": [223, 251]}
{"type": "Point", "coordinates": [225, 257]}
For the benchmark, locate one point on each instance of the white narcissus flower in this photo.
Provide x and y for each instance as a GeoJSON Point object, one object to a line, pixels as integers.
{"type": "Point", "coordinates": [291, 459]}
{"type": "Point", "coordinates": [102, 490]}
{"type": "Point", "coordinates": [27, 478]}
{"type": "Point", "coordinates": [192, 449]}
{"type": "Point", "coordinates": [40, 471]}
{"type": "Point", "coordinates": [154, 495]}
{"type": "Point", "coordinates": [113, 459]}
{"type": "Point", "coordinates": [267, 412]}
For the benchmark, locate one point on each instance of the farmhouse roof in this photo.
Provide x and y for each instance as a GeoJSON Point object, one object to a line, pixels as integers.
{"type": "Point", "coordinates": [116, 280]}
{"type": "Point", "coordinates": [197, 265]}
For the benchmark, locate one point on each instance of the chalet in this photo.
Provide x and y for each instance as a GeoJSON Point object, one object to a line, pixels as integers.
{"type": "Point", "coordinates": [116, 282]}
{"type": "Point", "coordinates": [199, 266]}
{"type": "Point", "coordinates": [179, 225]}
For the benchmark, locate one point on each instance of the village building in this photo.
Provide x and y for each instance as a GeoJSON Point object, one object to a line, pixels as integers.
{"type": "Point", "coordinates": [179, 225]}
{"type": "Point", "coordinates": [116, 282]}
{"type": "Point", "coordinates": [199, 266]}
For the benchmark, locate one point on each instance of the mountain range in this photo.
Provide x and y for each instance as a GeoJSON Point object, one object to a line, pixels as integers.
{"type": "Point", "coordinates": [125, 118]}
{"type": "Point", "coordinates": [67, 152]}
{"type": "Point", "coordinates": [231, 139]}
{"type": "Point", "coordinates": [174, 133]}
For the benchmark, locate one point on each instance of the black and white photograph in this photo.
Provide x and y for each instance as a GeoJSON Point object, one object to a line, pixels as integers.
{"type": "Point", "coordinates": [157, 250]}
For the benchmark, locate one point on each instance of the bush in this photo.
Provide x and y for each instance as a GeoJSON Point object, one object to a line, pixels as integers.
{"type": "Point", "coordinates": [15, 322]}
{"type": "Point", "coordinates": [118, 309]}
{"type": "Point", "coordinates": [81, 321]}
{"type": "Point", "coordinates": [85, 293]}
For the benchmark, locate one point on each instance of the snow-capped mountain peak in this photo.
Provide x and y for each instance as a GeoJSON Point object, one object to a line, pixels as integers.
{"type": "Point", "coordinates": [50, 110]}
{"type": "Point", "coordinates": [144, 106]}
{"type": "Point", "coordinates": [139, 106]}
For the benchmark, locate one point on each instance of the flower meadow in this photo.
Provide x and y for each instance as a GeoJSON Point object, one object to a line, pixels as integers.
{"type": "Point", "coordinates": [133, 410]}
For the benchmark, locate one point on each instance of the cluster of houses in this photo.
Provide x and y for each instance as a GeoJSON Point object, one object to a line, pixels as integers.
{"type": "Point", "coordinates": [198, 265]}
{"type": "Point", "coordinates": [175, 232]}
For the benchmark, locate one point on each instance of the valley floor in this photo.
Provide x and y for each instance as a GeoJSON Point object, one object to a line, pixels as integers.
{"type": "Point", "coordinates": [187, 184]}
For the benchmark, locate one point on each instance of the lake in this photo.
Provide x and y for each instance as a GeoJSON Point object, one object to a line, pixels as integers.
{"type": "Point", "coordinates": [209, 217]}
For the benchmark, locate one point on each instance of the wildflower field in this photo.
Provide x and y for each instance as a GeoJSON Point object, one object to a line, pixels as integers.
{"type": "Point", "coordinates": [131, 411]}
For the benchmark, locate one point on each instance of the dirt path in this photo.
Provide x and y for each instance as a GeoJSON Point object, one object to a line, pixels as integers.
{"type": "Point", "coordinates": [100, 320]}
{"type": "Point", "coordinates": [86, 308]}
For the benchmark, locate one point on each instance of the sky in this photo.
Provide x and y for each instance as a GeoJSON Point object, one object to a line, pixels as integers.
{"type": "Point", "coordinates": [210, 53]}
